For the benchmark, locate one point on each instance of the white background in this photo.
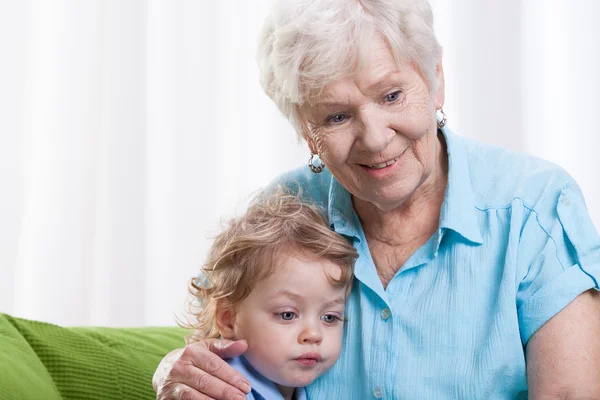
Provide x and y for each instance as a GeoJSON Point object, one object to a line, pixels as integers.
{"type": "Point", "coordinates": [129, 129]}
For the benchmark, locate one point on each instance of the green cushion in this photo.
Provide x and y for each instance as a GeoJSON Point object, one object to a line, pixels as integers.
{"type": "Point", "coordinates": [44, 361]}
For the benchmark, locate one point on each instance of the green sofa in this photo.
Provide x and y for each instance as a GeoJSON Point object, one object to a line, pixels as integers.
{"type": "Point", "coordinates": [44, 361]}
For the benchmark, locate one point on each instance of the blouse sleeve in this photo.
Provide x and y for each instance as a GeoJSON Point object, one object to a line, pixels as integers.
{"type": "Point", "coordinates": [558, 257]}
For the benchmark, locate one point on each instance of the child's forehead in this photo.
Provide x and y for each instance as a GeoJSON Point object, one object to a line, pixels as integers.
{"type": "Point", "coordinates": [301, 281]}
{"type": "Point", "coordinates": [298, 262]}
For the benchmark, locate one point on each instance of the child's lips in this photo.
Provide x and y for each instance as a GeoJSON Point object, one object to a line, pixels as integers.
{"type": "Point", "coordinates": [309, 359]}
{"type": "Point", "coordinates": [307, 362]}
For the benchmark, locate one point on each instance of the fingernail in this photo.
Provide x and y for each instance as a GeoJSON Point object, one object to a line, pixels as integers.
{"type": "Point", "coordinates": [238, 396]}
{"type": "Point", "coordinates": [223, 344]}
{"type": "Point", "coordinates": [246, 387]}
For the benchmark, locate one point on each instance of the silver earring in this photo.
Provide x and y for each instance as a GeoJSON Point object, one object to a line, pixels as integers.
{"type": "Point", "coordinates": [315, 164]}
{"type": "Point", "coordinates": [442, 123]}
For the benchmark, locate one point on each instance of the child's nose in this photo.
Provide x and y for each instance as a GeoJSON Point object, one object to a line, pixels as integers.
{"type": "Point", "coordinates": [310, 334]}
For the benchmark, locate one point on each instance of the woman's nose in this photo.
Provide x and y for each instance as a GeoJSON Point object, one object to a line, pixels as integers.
{"type": "Point", "coordinates": [375, 133]}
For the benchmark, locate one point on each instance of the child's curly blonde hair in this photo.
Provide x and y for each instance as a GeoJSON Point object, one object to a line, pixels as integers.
{"type": "Point", "coordinates": [276, 222]}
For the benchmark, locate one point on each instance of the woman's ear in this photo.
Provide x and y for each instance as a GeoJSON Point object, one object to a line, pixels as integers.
{"type": "Point", "coordinates": [310, 139]}
{"type": "Point", "coordinates": [440, 93]}
{"type": "Point", "coordinates": [308, 135]}
{"type": "Point", "coordinates": [225, 321]}
{"type": "Point", "coordinates": [312, 146]}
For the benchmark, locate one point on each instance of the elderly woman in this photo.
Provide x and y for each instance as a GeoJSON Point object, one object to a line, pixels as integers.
{"type": "Point", "coordinates": [479, 268]}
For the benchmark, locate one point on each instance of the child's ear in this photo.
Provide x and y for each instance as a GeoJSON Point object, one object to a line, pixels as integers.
{"type": "Point", "coordinates": [225, 320]}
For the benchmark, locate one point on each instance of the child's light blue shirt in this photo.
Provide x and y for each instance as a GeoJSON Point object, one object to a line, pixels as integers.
{"type": "Point", "coordinates": [262, 388]}
{"type": "Point", "coordinates": [515, 245]}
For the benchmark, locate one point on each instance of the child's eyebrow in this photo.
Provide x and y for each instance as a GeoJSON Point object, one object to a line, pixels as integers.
{"type": "Point", "coordinates": [339, 300]}
{"type": "Point", "coordinates": [288, 293]}
{"type": "Point", "coordinates": [297, 297]}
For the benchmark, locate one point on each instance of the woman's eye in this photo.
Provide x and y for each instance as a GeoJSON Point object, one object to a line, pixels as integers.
{"type": "Point", "coordinates": [336, 119]}
{"type": "Point", "coordinates": [329, 318]}
{"type": "Point", "coordinates": [392, 97]}
{"type": "Point", "coordinates": [287, 315]}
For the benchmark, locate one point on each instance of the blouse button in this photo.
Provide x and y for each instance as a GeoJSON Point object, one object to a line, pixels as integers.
{"type": "Point", "coordinates": [385, 314]}
{"type": "Point", "coordinates": [377, 393]}
{"type": "Point", "coordinates": [565, 200]}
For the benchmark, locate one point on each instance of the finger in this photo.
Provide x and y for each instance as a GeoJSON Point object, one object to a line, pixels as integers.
{"type": "Point", "coordinates": [213, 364]}
{"type": "Point", "coordinates": [209, 385]}
{"type": "Point", "coordinates": [227, 348]}
{"type": "Point", "coordinates": [184, 392]}
{"type": "Point", "coordinates": [161, 374]}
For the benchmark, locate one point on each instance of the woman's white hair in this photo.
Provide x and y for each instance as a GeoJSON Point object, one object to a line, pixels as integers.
{"type": "Point", "coordinates": [307, 44]}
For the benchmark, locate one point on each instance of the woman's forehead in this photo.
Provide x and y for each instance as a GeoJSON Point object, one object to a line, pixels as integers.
{"type": "Point", "coordinates": [378, 70]}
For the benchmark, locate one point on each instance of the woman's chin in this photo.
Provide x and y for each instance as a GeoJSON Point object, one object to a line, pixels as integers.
{"type": "Point", "coordinates": [388, 198]}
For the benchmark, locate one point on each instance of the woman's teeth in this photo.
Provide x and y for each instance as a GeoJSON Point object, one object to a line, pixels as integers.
{"type": "Point", "coordinates": [383, 164]}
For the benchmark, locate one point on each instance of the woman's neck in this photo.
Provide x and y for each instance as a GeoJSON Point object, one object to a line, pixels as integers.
{"type": "Point", "coordinates": [400, 226]}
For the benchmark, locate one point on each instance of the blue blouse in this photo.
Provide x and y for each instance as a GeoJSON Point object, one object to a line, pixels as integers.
{"type": "Point", "coordinates": [515, 245]}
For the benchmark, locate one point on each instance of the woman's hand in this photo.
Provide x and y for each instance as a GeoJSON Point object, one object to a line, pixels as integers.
{"type": "Point", "coordinates": [198, 372]}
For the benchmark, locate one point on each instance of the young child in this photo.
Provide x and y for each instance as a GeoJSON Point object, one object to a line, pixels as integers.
{"type": "Point", "coordinates": [278, 278]}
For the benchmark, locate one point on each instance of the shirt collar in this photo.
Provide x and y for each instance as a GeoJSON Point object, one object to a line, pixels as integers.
{"type": "Point", "coordinates": [262, 388]}
{"type": "Point", "coordinates": [458, 211]}
{"type": "Point", "coordinates": [342, 217]}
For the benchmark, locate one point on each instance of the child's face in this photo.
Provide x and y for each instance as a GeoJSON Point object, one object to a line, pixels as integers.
{"type": "Point", "coordinates": [292, 321]}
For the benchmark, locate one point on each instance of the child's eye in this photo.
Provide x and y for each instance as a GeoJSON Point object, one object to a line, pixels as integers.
{"type": "Point", "coordinates": [287, 315]}
{"type": "Point", "coordinates": [329, 318]}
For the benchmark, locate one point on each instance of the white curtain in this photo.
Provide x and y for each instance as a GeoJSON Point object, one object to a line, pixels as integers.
{"type": "Point", "coordinates": [130, 129]}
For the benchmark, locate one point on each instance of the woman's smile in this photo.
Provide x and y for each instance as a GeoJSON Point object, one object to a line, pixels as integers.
{"type": "Point", "coordinates": [383, 169]}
